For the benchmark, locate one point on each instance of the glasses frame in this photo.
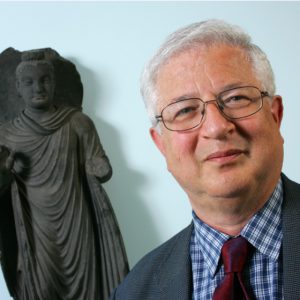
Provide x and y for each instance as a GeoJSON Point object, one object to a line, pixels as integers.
{"type": "Point", "coordinates": [263, 94]}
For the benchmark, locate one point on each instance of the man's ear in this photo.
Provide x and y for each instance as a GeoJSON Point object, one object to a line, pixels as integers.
{"type": "Point", "coordinates": [277, 109]}
{"type": "Point", "coordinates": [157, 139]}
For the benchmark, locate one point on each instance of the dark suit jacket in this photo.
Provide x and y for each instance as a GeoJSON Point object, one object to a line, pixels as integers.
{"type": "Point", "coordinates": [165, 273]}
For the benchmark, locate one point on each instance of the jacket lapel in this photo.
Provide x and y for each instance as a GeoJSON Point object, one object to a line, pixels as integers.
{"type": "Point", "coordinates": [175, 275]}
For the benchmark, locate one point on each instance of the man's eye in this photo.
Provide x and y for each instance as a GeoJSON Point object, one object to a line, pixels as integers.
{"type": "Point", "coordinates": [236, 98]}
{"type": "Point", "coordinates": [185, 112]}
{"type": "Point", "coordinates": [239, 100]}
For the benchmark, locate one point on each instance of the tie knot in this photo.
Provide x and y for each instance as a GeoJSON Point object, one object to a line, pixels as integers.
{"type": "Point", "coordinates": [234, 254]}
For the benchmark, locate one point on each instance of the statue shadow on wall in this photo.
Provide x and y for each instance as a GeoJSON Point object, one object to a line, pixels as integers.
{"type": "Point", "coordinates": [125, 187]}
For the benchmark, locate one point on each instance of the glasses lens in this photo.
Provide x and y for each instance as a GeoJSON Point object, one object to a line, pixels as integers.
{"type": "Point", "coordinates": [240, 102]}
{"type": "Point", "coordinates": [183, 115]}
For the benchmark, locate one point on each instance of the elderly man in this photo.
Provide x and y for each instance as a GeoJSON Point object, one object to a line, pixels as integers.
{"type": "Point", "coordinates": [210, 94]}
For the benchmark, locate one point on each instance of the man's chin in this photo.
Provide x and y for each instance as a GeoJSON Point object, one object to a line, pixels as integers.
{"type": "Point", "coordinates": [228, 185]}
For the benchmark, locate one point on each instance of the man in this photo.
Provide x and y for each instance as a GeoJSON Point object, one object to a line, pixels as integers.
{"type": "Point", "coordinates": [210, 94]}
{"type": "Point", "coordinates": [62, 241]}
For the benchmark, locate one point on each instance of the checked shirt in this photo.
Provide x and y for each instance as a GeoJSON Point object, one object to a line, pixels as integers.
{"type": "Point", "coordinates": [263, 274]}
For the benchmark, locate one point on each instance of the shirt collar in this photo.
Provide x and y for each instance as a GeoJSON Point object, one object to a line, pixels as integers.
{"type": "Point", "coordinates": [209, 241]}
{"type": "Point", "coordinates": [263, 231]}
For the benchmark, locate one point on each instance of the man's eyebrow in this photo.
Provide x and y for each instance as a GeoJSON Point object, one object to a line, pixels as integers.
{"type": "Point", "coordinates": [194, 95]}
{"type": "Point", "coordinates": [183, 97]}
{"type": "Point", "coordinates": [234, 85]}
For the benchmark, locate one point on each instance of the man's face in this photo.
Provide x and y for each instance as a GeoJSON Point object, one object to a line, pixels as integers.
{"type": "Point", "coordinates": [35, 85]}
{"type": "Point", "coordinates": [222, 158]}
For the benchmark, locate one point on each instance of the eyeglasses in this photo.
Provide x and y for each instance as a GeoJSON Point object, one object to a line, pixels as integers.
{"type": "Point", "coordinates": [235, 103]}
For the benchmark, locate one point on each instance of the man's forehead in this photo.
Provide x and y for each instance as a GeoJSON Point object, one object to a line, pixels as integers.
{"type": "Point", "coordinates": [200, 54]}
{"type": "Point", "coordinates": [203, 61]}
{"type": "Point", "coordinates": [196, 72]}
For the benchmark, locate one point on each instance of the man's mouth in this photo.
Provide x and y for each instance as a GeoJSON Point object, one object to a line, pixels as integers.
{"type": "Point", "coordinates": [224, 156]}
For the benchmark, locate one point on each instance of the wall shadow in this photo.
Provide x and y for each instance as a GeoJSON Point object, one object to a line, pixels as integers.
{"type": "Point", "coordinates": [125, 188]}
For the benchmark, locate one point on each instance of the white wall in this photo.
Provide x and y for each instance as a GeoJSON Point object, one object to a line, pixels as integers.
{"type": "Point", "coordinates": [110, 42]}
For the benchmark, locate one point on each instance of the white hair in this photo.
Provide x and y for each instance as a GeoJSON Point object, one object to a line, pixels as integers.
{"type": "Point", "coordinates": [203, 34]}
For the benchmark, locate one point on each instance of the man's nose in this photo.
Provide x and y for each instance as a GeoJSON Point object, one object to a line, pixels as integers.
{"type": "Point", "coordinates": [215, 125]}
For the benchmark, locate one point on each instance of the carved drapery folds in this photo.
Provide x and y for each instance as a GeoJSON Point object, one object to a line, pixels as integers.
{"type": "Point", "coordinates": [59, 235]}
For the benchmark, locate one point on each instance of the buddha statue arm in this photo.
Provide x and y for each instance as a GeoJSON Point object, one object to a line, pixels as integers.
{"type": "Point", "coordinates": [94, 158]}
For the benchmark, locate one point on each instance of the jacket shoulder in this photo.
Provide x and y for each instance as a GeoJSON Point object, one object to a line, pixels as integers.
{"type": "Point", "coordinates": [291, 194]}
{"type": "Point", "coordinates": [144, 280]}
{"type": "Point", "coordinates": [291, 238]}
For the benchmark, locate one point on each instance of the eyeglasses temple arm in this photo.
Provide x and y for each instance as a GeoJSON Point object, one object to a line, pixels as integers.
{"type": "Point", "coordinates": [265, 94]}
{"type": "Point", "coordinates": [158, 118]}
